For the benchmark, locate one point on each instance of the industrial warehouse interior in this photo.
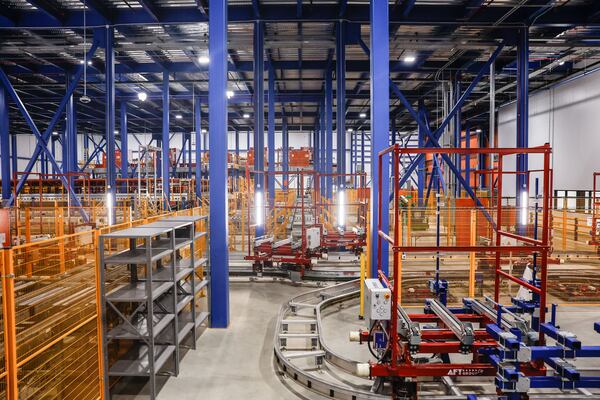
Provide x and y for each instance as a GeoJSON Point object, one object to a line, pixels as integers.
{"type": "Point", "coordinates": [299, 200]}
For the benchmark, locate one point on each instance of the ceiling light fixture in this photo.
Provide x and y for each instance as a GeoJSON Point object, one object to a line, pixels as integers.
{"type": "Point", "coordinates": [229, 94]}
{"type": "Point", "coordinates": [142, 96]}
{"type": "Point", "coordinates": [562, 62]}
{"type": "Point", "coordinates": [246, 116]}
{"type": "Point", "coordinates": [178, 116]}
{"type": "Point", "coordinates": [203, 60]}
{"type": "Point", "coordinates": [410, 59]}
{"type": "Point", "coordinates": [363, 115]}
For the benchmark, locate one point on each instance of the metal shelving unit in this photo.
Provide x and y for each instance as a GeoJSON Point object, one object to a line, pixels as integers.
{"type": "Point", "coordinates": [139, 300]}
{"type": "Point", "coordinates": [160, 278]}
{"type": "Point", "coordinates": [195, 316]}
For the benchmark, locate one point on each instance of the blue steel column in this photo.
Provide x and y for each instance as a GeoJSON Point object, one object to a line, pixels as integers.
{"type": "Point", "coordinates": [340, 78]}
{"type": "Point", "coordinates": [421, 168]}
{"type": "Point", "coordinates": [362, 151]}
{"type": "Point", "coordinates": [286, 154]}
{"type": "Point", "coordinates": [4, 145]}
{"type": "Point", "coordinates": [70, 142]}
{"type": "Point", "coordinates": [124, 142]}
{"type": "Point", "coordinates": [166, 173]}
{"type": "Point", "coordinates": [457, 132]}
{"type": "Point", "coordinates": [468, 156]}
{"type": "Point", "coordinates": [329, 129]}
{"type": "Point", "coordinates": [111, 173]}
{"type": "Point", "coordinates": [380, 124]}
{"type": "Point", "coordinates": [259, 112]}
{"type": "Point", "coordinates": [522, 113]}
{"type": "Point", "coordinates": [53, 140]}
{"type": "Point", "coordinates": [323, 155]}
{"type": "Point", "coordinates": [217, 124]}
{"type": "Point", "coordinates": [271, 136]}
{"type": "Point", "coordinates": [237, 158]}
{"type": "Point", "coordinates": [198, 132]}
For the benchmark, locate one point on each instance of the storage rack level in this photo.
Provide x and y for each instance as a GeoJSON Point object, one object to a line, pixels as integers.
{"type": "Point", "coordinates": [143, 302]}
{"type": "Point", "coordinates": [201, 279]}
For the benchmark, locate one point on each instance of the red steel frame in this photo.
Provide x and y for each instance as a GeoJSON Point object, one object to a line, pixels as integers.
{"type": "Point", "coordinates": [303, 256]}
{"type": "Point", "coordinates": [406, 368]}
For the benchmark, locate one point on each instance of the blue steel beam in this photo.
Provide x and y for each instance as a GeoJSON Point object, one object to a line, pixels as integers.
{"type": "Point", "coordinates": [4, 145]}
{"type": "Point", "coordinates": [219, 227]}
{"type": "Point", "coordinates": [437, 133]}
{"type": "Point", "coordinates": [522, 140]}
{"type": "Point", "coordinates": [457, 123]}
{"type": "Point", "coordinates": [166, 162]}
{"type": "Point", "coordinates": [259, 112]}
{"type": "Point", "coordinates": [42, 144]}
{"type": "Point", "coordinates": [198, 133]}
{"type": "Point", "coordinates": [323, 137]}
{"type": "Point", "coordinates": [329, 131]}
{"type": "Point", "coordinates": [340, 78]}
{"type": "Point", "coordinates": [421, 168]}
{"type": "Point", "coordinates": [271, 137]}
{"type": "Point", "coordinates": [55, 118]}
{"type": "Point", "coordinates": [70, 144]}
{"type": "Point", "coordinates": [111, 170]}
{"type": "Point", "coordinates": [451, 14]}
{"type": "Point", "coordinates": [124, 141]}
{"type": "Point", "coordinates": [380, 123]}
{"type": "Point", "coordinates": [285, 157]}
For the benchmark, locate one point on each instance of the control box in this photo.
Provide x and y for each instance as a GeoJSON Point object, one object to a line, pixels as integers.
{"type": "Point", "coordinates": [378, 301]}
{"type": "Point", "coordinates": [313, 238]}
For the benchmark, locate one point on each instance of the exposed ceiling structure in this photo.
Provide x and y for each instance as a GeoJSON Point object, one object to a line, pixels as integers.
{"type": "Point", "coordinates": [42, 41]}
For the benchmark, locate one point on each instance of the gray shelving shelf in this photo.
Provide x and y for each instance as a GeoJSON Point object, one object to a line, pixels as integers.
{"type": "Point", "coordinates": [166, 293]}
{"type": "Point", "coordinates": [144, 305]}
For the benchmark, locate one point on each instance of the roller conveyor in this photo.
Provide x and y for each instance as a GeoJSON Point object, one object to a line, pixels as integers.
{"type": "Point", "coordinates": [509, 320]}
{"type": "Point", "coordinates": [409, 330]}
{"type": "Point", "coordinates": [462, 330]}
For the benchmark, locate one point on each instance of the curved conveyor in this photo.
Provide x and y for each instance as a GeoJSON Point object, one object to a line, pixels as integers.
{"type": "Point", "coordinates": [301, 353]}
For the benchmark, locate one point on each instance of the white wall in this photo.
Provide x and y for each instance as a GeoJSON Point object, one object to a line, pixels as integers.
{"type": "Point", "coordinates": [568, 117]}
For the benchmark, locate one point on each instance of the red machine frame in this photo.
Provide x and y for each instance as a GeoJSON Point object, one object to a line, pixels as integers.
{"type": "Point", "coordinates": [303, 256]}
{"type": "Point", "coordinates": [400, 364]}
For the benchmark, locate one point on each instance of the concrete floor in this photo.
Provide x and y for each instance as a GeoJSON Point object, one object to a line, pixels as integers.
{"type": "Point", "coordinates": [237, 363]}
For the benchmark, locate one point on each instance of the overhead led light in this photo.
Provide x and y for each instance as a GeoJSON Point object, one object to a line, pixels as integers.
{"type": "Point", "coordinates": [142, 96]}
{"type": "Point", "coordinates": [89, 62]}
{"type": "Point", "coordinates": [109, 207]}
{"type": "Point", "coordinates": [85, 99]}
{"type": "Point", "coordinates": [349, 130]}
{"type": "Point", "coordinates": [410, 59]}
{"type": "Point", "coordinates": [81, 62]}
{"type": "Point", "coordinates": [562, 62]}
{"type": "Point", "coordinates": [54, 133]}
{"type": "Point", "coordinates": [246, 116]}
{"type": "Point", "coordinates": [178, 116]}
{"type": "Point", "coordinates": [478, 130]}
{"type": "Point", "coordinates": [116, 132]}
{"type": "Point", "coordinates": [258, 205]}
{"type": "Point", "coordinates": [524, 201]}
{"type": "Point", "coordinates": [341, 208]}
{"type": "Point", "coordinates": [362, 115]}
{"type": "Point", "coordinates": [203, 60]}
{"type": "Point", "coordinates": [229, 94]}
{"type": "Point", "coordinates": [203, 131]}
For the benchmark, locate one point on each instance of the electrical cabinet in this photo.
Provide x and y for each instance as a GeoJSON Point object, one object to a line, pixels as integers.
{"type": "Point", "coordinates": [378, 300]}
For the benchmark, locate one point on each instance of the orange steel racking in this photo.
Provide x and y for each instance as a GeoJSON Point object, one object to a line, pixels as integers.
{"type": "Point", "coordinates": [51, 343]}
